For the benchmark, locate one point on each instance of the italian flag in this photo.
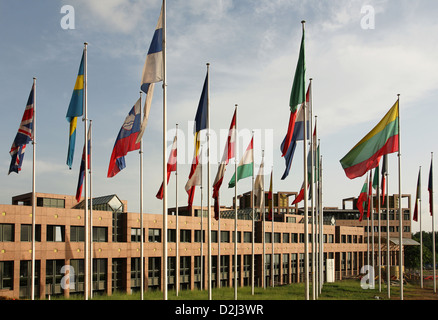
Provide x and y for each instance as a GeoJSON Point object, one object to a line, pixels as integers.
{"type": "Point", "coordinates": [244, 169]}
{"type": "Point", "coordinates": [383, 139]}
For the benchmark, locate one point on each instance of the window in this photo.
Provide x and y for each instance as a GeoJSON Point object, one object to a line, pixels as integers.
{"type": "Point", "coordinates": [154, 235]}
{"type": "Point", "coordinates": [247, 237]}
{"type": "Point", "coordinates": [171, 235]}
{"type": "Point", "coordinates": [100, 234]}
{"type": "Point", "coordinates": [294, 237]}
{"type": "Point", "coordinates": [79, 275]}
{"type": "Point", "coordinates": [55, 233]}
{"type": "Point", "coordinates": [26, 233]}
{"type": "Point", "coordinates": [54, 276]}
{"type": "Point", "coordinates": [213, 236]}
{"type": "Point", "coordinates": [50, 203]}
{"type": "Point", "coordinates": [77, 234]}
{"type": "Point", "coordinates": [277, 237]}
{"type": "Point", "coordinates": [198, 235]}
{"type": "Point", "coordinates": [285, 237]}
{"type": "Point", "coordinates": [239, 236]}
{"type": "Point", "coordinates": [225, 236]}
{"type": "Point", "coordinates": [185, 236]}
{"type": "Point", "coordinates": [136, 235]}
{"type": "Point", "coordinates": [6, 274]}
{"type": "Point", "coordinates": [6, 232]}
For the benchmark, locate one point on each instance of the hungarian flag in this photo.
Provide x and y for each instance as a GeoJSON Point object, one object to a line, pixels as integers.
{"type": "Point", "coordinates": [171, 166]}
{"type": "Point", "coordinates": [125, 141]}
{"type": "Point", "coordinates": [361, 199]}
{"type": "Point", "coordinates": [228, 154]}
{"type": "Point", "coordinates": [383, 139]}
{"type": "Point", "coordinates": [244, 168]}
{"type": "Point", "coordinates": [430, 188]}
{"type": "Point", "coordinates": [418, 196]}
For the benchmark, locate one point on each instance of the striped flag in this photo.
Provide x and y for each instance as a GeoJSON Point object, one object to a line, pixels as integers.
{"type": "Point", "coordinates": [200, 124]}
{"type": "Point", "coordinates": [270, 201]}
{"type": "Point", "coordinates": [153, 71]}
{"type": "Point", "coordinates": [384, 172]}
{"type": "Point", "coordinates": [228, 154]}
{"type": "Point", "coordinates": [75, 110]}
{"type": "Point", "coordinates": [244, 168]}
{"type": "Point", "coordinates": [361, 199]}
{"type": "Point", "coordinates": [24, 134]}
{"type": "Point", "coordinates": [82, 169]}
{"type": "Point", "coordinates": [171, 166]}
{"type": "Point", "coordinates": [417, 197]}
{"type": "Point", "coordinates": [125, 141]}
{"type": "Point", "coordinates": [430, 188]}
{"type": "Point", "coordinates": [383, 139]}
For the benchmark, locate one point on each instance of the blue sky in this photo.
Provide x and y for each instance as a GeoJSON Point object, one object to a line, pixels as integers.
{"type": "Point", "coordinates": [252, 47]}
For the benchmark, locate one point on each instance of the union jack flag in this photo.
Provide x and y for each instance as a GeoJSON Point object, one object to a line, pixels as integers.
{"type": "Point", "coordinates": [24, 135]}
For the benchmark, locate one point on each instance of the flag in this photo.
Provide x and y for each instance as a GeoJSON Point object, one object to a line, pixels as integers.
{"type": "Point", "coordinates": [125, 141]}
{"type": "Point", "coordinates": [171, 166]}
{"type": "Point", "coordinates": [82, 168]}
{"type": "Point", "coordinates": [384, 172]}
{"type": "Point", "coordinates": [376, 181]}
{"type": "Point", "coordinates": [300, 195]}
{"type": "Point", "coordinates": [24, 135]}
{"type": "Point", "coordinates": [228, 154]}
{"type": "Point", "coordinates": [153, 71]}
{"type": "Point", "coordinates": [75, 110]}
{"type": "Point", "coordinates": [383, 139]}
{"type": "Point", "coordinates": [370, 194]}
{"type": "Point", "coordinates": [361, 199]}
{"type": "Point", "coordinates": [418, 196]}
{"type": "Point", "coordinates": [200, 124]}
{"type": "Point", "coordinates": [270, 201]}
{"type": "Point", "coordinates": [430, 188]}
{"type": "Point", "coordinates": [297, 134]}
{"type": "Point", "coordinates": [259, 187]}
{"type": "Point", "coordinates": [244, 168]}
{"type": "Point", "coordinates": [297, 97]}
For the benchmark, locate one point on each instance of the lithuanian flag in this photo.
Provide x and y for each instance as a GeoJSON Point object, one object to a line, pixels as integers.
{"type": "Point", "coordinates": [383, 139]}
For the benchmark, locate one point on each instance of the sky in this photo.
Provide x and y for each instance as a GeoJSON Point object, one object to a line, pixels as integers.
{"type": "Point", "coordinates": [360, 55]}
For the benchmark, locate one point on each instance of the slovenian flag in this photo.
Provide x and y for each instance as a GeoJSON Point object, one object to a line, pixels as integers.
{"type": "Point", "coordinates": [126, 141]}
{"type": "Point", "coordinates": [24, 135]}
{"type": "Point", "coordinates": [75, 110]}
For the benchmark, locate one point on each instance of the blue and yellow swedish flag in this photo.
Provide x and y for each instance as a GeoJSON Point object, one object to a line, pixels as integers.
{"type": "Point", "coordinates": [75, 110]}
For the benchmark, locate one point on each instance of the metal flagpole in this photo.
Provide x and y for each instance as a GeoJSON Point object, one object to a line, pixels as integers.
{"type": "Point", "coordinates": [164, 155]}
{"type": "Point", "coordinates": [91, 215]}
{"type": "Point", "coordinates": [262, 212]}
{"type": "Point", "coordinates": [235, 192]}
{"type": "Point", "coordinates": [253, 212]}
{"type": "Point", "coordinates": [372, 229]}
{"type": "Point", "coordinates": [433, 231]}
{"type": "Point", "coordinates": [312, 192]}
{"type": "Point", "coordinates": [33, 191]}
{"type": "Point", "coordinates": [400, 206]}
{"type": "Point", "coordinates": [272, 230]}
{"type": "Point", "coordinates": [202, 226]}
{"type": "Point", "coordinates": [321, 228]}
{"type": "Point", "coordinates": [379, 233]}
{"type": "Point", "coordinates": [235, 239]}
{"type": "Point", "coordinates": [176, 206]}
{"type": "Point", "coordinates": [388, 250]}
{"type": "Point", "coordinates": [86, 254]}
{"type": "Point", "coordinates": [141, 218]}
{"type": "Point", "coordinates": [421, 236]}
{"type": "Point", "coordinates": [208, 185]}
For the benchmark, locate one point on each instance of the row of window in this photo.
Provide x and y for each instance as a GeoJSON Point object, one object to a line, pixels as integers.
{"type": "Point", "coordinates": [56, 233]}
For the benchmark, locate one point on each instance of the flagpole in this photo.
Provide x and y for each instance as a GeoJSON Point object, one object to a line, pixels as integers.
{"type": "Point", "coordinates": [91, 215]}
{"type": "Point", "coordinates": [312, 191]}
{"type": "Point", "coordinates": [208, 184]}
{"type": "Point", "coordinates": [176, 206]}
{"type": "Point", "coordinates": [379, 233]}
{"type": "Point", "coordinates": [262, 212]}
{"type": "Point", "coordinates": [33, 190]}
{"type": "Point", "coordinates": [272, 230]}
{"type": "Point", "coordinates": [235, 175]}
{"type": "Point", "coordinates": [400, 206]}
{"type": "Point", "coordinates": [321, 228]}
{"type": "Point", "coordinates": [202, 226]}
{"type": "Point", "coordinates": [372, 230]}
{"type": "Point", "coordinates": [141, 218]}
{"type": "Point", "coordinates": [235, 224]}
{"type": "Point", "coordinates": [388, 251]}
{"type": "Point", "coordinates": [306, 213]}
{"type": "Point", "coordinates": [164, 155]}
{"type": "Point", "coordinates": [86, 254]}
{"type": "Point", "coordinates": [433, 232]}
{"type": "Point", "coordinates": [253, 212]}
{"type": "Point", "coordinates": [421, 234]}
